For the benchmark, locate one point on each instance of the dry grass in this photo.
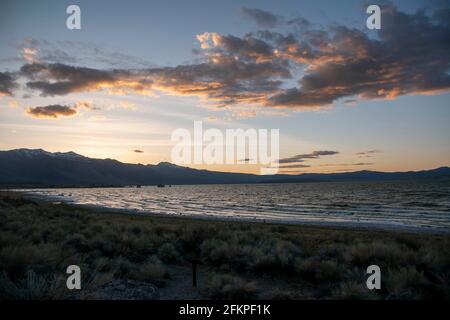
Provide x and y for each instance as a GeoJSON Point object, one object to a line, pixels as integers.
{"type": "Point", "coordinates": [39, 240]}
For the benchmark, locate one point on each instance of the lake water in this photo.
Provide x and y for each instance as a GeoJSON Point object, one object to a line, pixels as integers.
{"type": "Point", "coordinates": [420, 205]}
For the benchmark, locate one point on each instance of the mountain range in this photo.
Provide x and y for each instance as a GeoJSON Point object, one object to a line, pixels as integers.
{"type": "Point", "coordinates": [40, 168]}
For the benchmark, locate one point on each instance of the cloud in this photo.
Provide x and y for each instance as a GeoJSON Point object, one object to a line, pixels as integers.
{"type": "Point", "coordinates": [294, 166]}
{"type": "Point", "coordinates": [409, 55]}
{"type": "Point", "coordinates": [29, 55]}
{"type": "Point", "coordinates": [312, 155]}
{"type": "Point", "coordinates": [368, 154]}
{"type": "Point", "coordinates": [55, 111]}
{"type": "Point", "coordinates": [346, 164]}
{"type": "Point", "coordinates": [86, 105]}
{"type": "Point", "coordinates": [300, 22]}
{"type": "Point", "coordinates": [69, 51]}
{"type": "Point", "coordinates": [285, 168]}
{"type": "Point", "coordinates": [69, 79]}
{"type": "Point", "coordinates": [247, 47]}
{"type": "Point", "coordinates": [7, 84]}
{"type": "Point", "coordinates": [138, 151]}
{"type": "Point", "coordinates": [52, 111]}
{"type": "Point", "coordinates": [350, 102]}
{"type": "Point", "coordinates": [226, 82]}
{"type": "Point", "coordinates": [262, 18]}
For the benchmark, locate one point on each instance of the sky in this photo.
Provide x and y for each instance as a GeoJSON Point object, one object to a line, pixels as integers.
{"type": "Point", "coordinates": [344, 97]}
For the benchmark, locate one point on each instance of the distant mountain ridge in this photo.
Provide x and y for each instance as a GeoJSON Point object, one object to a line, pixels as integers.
{"type": "Point", "coordinates": [40, 168]}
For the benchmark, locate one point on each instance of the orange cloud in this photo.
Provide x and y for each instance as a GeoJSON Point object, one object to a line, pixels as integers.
{"type": "Point", "coordinates": [55, 111]}
{"type": "Point", "coordinates": [51, 112]}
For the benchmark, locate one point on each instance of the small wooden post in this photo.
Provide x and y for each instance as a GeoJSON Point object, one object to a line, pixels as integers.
{"type": "Point", "coordinates": [194, 274]}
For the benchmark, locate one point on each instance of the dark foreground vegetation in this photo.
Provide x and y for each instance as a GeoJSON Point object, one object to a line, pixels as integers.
{"type": "Point", "coordinates": [238, 260]}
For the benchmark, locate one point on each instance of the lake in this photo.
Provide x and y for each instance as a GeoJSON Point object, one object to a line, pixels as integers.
{"type": "Point", "coordinates": [415, 205]}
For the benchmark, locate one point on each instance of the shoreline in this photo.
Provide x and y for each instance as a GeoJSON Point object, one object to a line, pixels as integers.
{"type": "Point", "coordinates": [356, 226]}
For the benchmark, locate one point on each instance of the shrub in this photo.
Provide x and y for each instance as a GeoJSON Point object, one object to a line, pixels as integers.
{"type": "Point", "coordinates": [102, 244]}
{"type": "Point", "coordinates": [279, 229]}
{"type": "Point", "coordinates": [15, 260]}
{"type": "Point", "coordinates": [96, 228]}
{"type": "Point", "coordinates": [275, 256]}
{"type": "Point", "coordinates": [379, 253]}
{"type": "Point", "coordinates": [353, 290]}
{"type": "Point", "coordinates": [77, 241]}
{"type": "Point", "coordinates": [320, 271]}
{"type": "Point", "coordinates": [122, 266]}
{"type": "Point", "coordinates": [191, 238]}
{"type": "Point", "coordinates": [136, 230]}
{"type": "Point", "coordinates": [279, 294]}
{"type": "Point", "coordinates": [168, 253]}
{"type": "Point", "coordinates": [32, 286]}
{"type": "Point", "coordinates": [152, 271]}
{"type": "Point", "coordinates": [103, 264]}
{"type": "Point", "coordinates": [226, 287]}
{"type": "Point", "coordinates": [405, 283]}
{"type": "Point", "coordinates": [218, 252]}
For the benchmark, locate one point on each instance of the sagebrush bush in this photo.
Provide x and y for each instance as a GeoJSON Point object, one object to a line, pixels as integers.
{"type": "Point", "coordinates": [152, 271]}
{"type": "Point", "coordinates": [404, 283]}
{"type": "Point", "coordinates": [353, 290]}
{"type": "Point", "coordinates": [168, 253]}
{"type": "Point", "coordinates": [33, 286]}
{"type": "Point", "coordinates": [318, 271]}
{"type": "Point", "coordinates": [280, 294]}
{"type": "Point", "coordinates": [276, 256]}
{"type": "Point", "coordinates": [380, 253]}
{"type": "Point", "coordinates": [227, 287]}
{"type": "Point", "coordinates": [15, 260]}
{"type": "Point", "coordinates": [218, 252]}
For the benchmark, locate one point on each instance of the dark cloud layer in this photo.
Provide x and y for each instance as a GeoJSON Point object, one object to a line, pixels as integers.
{"type": "Point", "coordinates": [52, 111]}
{"type": "Point", "coordinates": [55, 111]}
{"type": "Point", "coordinates": [409, 55]}
{"type": "Point", "coordinates": [68, 79]}
{"type": "Point", "coordinates": [226, 82]}
{"type": "Point", "coordinates": [7, 84]}
{"type": "Point", "coordinates": [262, 18]}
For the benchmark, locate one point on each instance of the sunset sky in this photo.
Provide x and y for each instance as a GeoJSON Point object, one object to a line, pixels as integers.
{"type": "Point", "coordinates": [345, 98]}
